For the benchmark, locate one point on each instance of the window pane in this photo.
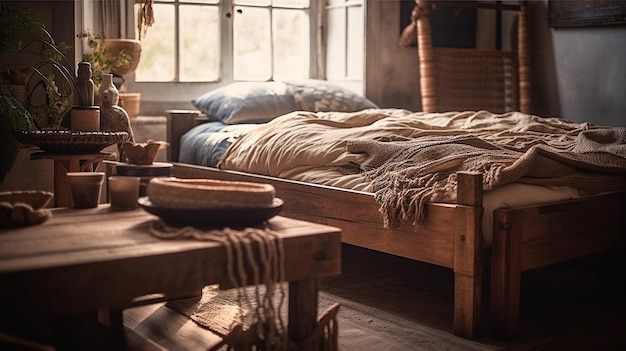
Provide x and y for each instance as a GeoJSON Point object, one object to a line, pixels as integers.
{"type": "Point", "coordinates": [291, 40]}
{"type": "Point", "coordinates": [336, 44]}
{"type": "Point", "coordinates": [252, 47]}
{"type": "Point", "coordinates": [277, 3]}
{"type": "Point", "coordinates": [199, 43]}
{"type": "Point", "coordinates": [253, 2]}
{"type": "Point", "coordinates": [270, 40]}
{"type": "Point", "coordinates": [158, 61]}
{"type": "Point", "coordinates": [355, 46]}
{"type": "Point", "coordinates": [291, 3]}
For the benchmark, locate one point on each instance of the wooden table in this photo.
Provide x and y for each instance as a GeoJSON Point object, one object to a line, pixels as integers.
{"type": "Point", "coordinates": [70, 163]}
{"type": "Point", "coordinates": [86, 265]}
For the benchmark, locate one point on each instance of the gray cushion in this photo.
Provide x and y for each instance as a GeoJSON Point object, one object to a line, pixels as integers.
{"type": "Point", "coordinates": [323, 96]}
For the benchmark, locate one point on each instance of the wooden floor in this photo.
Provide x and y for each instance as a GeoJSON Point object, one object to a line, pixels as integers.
{"type": "Point", "coordinates": [597, 302]}
{"type": "Point", "coordinates": [595, 299]}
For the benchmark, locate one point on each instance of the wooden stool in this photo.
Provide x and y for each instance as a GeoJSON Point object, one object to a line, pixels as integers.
{"type": "Point", "coordinates": [70, 163]}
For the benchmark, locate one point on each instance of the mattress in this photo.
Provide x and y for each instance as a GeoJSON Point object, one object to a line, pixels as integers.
{"type": "Point", "coordinates": [205, 144]}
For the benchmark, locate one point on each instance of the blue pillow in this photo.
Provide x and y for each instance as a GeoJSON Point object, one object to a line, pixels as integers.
{"type": "Point", "coordinates": [247, 102]}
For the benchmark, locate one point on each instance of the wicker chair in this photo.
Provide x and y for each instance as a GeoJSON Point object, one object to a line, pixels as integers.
{"type": "Point", "coordinates": [455, 79]}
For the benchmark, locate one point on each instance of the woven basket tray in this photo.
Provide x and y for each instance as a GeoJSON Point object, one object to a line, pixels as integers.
{"type": "Point", "coordinates": [68, 142]}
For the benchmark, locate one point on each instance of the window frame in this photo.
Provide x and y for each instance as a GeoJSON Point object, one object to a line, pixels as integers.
{"type": "Point", "coordinates": [160, 96]}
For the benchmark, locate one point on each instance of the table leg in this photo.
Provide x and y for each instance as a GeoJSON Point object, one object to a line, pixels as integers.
{"type": "Point", "coordinates": [303, 296]}
{"type": "Point", "coordinates": [62, 197]}
{"type": "Point", "coordinates": [70, 163]}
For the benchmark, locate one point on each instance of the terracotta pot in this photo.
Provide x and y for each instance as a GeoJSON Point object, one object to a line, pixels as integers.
{"type": "Point", "coordinates": [131, 47]}
{"type": "Point", "coordinates": [131, 102]}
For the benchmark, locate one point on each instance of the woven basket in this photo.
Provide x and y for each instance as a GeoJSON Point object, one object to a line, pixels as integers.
{"type": "Point", "coordinates": [35, 198]}
{"type": "Point", "coordinates": [71, 142]}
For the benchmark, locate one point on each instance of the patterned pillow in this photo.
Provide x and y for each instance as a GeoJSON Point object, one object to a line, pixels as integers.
{"type": "Point", "coordinates": [322, 96]}
{"type": "Point", "coordinates": [247, 102]}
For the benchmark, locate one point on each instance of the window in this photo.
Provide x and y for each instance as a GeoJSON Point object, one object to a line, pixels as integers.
{"type": "Point", "coordinates": [226, 40]}
{"type": "Point", "coordinates": [198, 45]}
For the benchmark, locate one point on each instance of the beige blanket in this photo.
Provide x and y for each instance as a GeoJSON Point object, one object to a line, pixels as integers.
{"type": "Point", "coordinates": [346, 149]}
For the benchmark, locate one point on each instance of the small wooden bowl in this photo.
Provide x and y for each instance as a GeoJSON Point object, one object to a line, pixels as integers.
{"type": "Point", "coordinates": [142, 153]}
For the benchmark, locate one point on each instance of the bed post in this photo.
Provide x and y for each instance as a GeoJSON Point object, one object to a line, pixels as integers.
{"type": "Point", "coordinates": [178, 123]}
{"type": "Point", "coordinates": [468, 263]}
{"type": "Point", "coordinates": [425, 56]}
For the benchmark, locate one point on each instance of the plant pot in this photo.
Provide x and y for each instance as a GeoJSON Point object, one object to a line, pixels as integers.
{"type": "Point", "coordinates": [131, 47]}
{"type": "Point", "coordinates": [85, 118]}
{"type": "Point", "coordinates": [131, 102]}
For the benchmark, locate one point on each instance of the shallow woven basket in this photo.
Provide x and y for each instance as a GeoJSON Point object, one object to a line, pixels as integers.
{"type": "Point", "coordinates": [35, 198]}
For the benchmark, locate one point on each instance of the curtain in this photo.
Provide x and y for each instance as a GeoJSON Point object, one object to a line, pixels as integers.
{"type": "Point", "coordinates": [111, 17]}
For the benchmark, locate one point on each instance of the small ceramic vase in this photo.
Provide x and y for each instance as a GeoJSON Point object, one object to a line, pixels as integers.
{"type": "Point", "coordinates": [108, 91]}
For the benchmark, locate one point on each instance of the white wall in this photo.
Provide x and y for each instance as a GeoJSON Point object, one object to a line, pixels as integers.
{"type": "Point", "coordinates": [392, 71]}
{"type": "Point", "coordinates": [591, 74]}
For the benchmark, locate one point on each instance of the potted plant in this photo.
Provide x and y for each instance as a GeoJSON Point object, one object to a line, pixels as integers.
{"type": "Point", "coordinates": [117, 56]}
{"type": "Point", "coordinates": [39, 85]}
{"type": "Point", "coordinates": [130, 101]}
{"type": "Point", "coordinates": [132, 48]}
{"type": "Point", "coordinates": [13, 118]}
{"type": "Point", "coordinates": [145, 19]}
{"type": "Point", "coordinates": [104, 58]}
{"type": "Point", "coordinates": [16, 24]}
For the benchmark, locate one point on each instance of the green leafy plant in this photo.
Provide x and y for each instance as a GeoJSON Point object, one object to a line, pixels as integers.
{"type": "Point", "coordinates": [15, 118]}
{"type": "Point", "coordinates": [50, 83]}
{"type": "Point", "coordinates": [32, 95]}
{"type": "Point", "coordinates": [100, 56]}
{"type": "Point", "coordinates": [16, 22]}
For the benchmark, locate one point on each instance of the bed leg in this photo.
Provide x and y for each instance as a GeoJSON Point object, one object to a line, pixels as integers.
{"type": "Point", "coordinates": [505, 278]}
{"type": "Point", "coordinates": [468, 256]}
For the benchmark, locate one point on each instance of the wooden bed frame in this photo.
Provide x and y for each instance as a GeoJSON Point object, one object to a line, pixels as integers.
{"type": "Point", "coordinates": [524, 238]}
